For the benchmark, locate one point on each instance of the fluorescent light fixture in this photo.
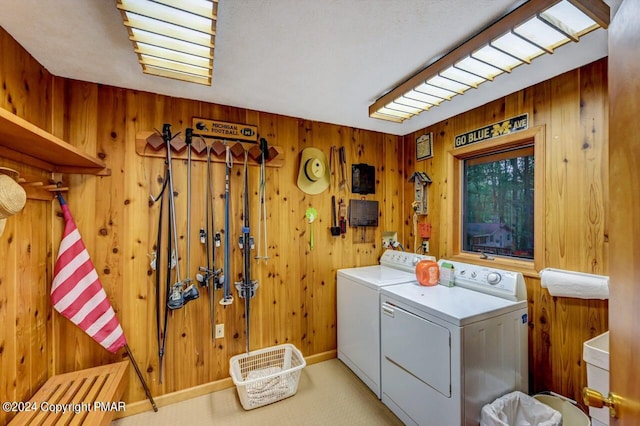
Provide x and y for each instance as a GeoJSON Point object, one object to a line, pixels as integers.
{"type": "Point", "coordinates": [173, 38]}
{"type": "Point", "coordinates": [536, 28]}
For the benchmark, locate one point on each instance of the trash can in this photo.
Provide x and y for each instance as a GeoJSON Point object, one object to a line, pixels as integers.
{"type": "Point", "coordinates": [518, 408]}
{"type": "Point", "coordinates": [572, 415]}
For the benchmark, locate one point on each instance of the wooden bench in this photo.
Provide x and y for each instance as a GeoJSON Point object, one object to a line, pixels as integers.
{"type": "Point", "coordinates": [86, 397]}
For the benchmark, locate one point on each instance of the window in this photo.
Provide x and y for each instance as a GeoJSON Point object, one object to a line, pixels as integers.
{"type": "Point", "coordinates": [497, 200]}
{"type": "Point", "coordinates": [496, 203]}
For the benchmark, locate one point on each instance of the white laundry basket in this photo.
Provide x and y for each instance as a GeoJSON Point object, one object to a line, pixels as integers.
{"type": "Point", "coordinates": [267, 375]}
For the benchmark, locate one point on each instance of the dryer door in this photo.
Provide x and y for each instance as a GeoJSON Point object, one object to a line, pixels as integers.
{"type": "Point", "coordinates": [418, 346]}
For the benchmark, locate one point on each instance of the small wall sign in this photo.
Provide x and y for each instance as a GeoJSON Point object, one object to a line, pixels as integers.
{"type": "Point", "coordinates": [224, 130]}
{"type": "Point", "coordinates": [505, 127]}
{"type": "Point", "coordinates": [424, 146]}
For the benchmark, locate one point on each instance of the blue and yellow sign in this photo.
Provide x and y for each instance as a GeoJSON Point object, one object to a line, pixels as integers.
{"type": "Point", "coordinates": [502, 128]}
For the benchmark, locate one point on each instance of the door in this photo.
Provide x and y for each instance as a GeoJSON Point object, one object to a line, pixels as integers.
{"type": "Point", "coordinates": [624, 209]}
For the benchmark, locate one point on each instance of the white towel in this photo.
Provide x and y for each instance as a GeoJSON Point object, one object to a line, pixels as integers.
{"type": "Point", "coordinates": [574, 284]}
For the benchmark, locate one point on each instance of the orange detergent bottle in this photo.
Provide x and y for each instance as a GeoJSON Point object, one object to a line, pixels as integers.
{"type": "Point", "coordinates": [427, 272]}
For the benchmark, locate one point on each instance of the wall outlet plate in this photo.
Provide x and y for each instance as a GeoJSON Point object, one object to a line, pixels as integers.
{"type": "Point", "coordinates": [219, 331]}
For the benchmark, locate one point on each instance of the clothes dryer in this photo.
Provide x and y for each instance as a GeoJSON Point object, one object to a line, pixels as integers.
{"type": "Point", "coordinates": [448, 351]}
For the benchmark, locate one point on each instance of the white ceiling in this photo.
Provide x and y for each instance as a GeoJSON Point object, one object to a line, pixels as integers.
{"type": "Point", "coordinates": [323, 60]}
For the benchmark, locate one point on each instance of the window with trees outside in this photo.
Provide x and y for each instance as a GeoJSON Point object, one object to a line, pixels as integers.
{"type": "Point", "coordinates": [498, 203]}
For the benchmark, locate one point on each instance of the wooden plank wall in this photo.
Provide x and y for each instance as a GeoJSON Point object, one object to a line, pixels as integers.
{"type": "Point", "coordinates": [25, 245]}
{"type": "Point", "coordinates": [573, 109]}
{"type": "Point", "coordinates": [295, 301]}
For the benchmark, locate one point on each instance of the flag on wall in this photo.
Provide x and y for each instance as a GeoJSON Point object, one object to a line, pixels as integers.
{"type": "Point", "coordinates": [77, 293]}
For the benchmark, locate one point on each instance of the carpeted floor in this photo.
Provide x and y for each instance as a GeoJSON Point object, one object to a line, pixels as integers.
{"type": "Point", "coordinates": [328, 394]}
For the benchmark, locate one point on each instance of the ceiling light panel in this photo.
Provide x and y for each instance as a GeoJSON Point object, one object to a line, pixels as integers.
{"type": "Point", "coordinates": [404, 100]}
{"type": "Point", "coordinates": [466, 78]}
{"type": "Point", "coordinates": [173, 65]}
{"type": "Point", "coordinates": [173, 38]}
{"type": "Point", "coordinates": [395, 113]}
{"type": "Point", "coordinates": [541, 34]}
{"type": "Point", "coordinates": [529, 31]}
{"type": "Point", "coordinates": [517, 47]}
{"type": "Point", "coordinates": [174, 74]}
{"type": "Point", "coordinates": [161, 52]}
{"type": "Point", "coordinates": [496, 57]}
{"type": "Point", "coordinates": [142, 36]}
{"type": "Point", "coordinates": [570, 18]}
{"type": "Point", "coordinates": [436, 92]}
{"type": "Point", "coordinates": [133, 20]}
{"type": "Point", "coordinates": [404, 108]}
{"type": "Point", "coordinates": [386, 117]}
{"type": "Point", "coordinates": [169, 14]}
{"type": "Point", "coordinates": [447, 84]}
{"type": "Point", "coordinates": [479, 68]}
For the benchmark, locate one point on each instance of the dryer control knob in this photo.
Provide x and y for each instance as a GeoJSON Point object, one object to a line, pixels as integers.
{"type": "Point", "coordinates": [415, 261]}
{"type": "Point", "coordinates": [493, 278]}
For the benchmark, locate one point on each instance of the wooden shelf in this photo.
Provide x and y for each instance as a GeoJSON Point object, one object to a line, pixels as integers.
{"type": "Point", "coordinates": [26, 143]}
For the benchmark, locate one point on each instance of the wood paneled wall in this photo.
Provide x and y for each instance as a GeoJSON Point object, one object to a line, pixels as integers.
{"type": "Point", "coordinates": [25, 246]}
{"type": "Point", "coordinates": [573, 109]}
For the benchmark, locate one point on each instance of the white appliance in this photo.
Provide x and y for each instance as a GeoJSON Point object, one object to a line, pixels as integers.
{"type": "Point", "coordinates": [358, 299]}
{"type": "Point", "coordinates": [447, 351]}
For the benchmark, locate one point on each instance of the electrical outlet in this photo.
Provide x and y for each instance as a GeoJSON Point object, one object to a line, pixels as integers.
{"type": "Point", "coordinates": [219, 331]}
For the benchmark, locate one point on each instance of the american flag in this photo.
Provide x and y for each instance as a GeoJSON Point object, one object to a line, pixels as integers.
{"type": "Point", "coordinates": [77, 293]}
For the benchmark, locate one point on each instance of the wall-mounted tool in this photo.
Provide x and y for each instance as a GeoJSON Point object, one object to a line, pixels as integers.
{"type": "Point", "coordinates": [343, 169]}
{"type": "Point", "coordinates": [342, 213]}
{"type": "Point", "coordinates": [335, 229]}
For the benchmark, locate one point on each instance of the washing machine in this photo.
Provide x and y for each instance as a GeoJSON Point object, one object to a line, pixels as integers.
{"type": "Point", "coordinates": [448, 351]}
{"type": "Point", "coordinates": [358, 300]}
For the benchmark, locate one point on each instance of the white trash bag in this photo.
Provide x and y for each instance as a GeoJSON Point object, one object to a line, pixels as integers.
{"type": "Point", "coordinates": [519, 409]}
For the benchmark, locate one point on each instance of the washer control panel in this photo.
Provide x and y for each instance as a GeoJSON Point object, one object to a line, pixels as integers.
{"type": "Point", "coordinates": [403, 260]}
{"type": "Point", "coordinates": [498, 282]}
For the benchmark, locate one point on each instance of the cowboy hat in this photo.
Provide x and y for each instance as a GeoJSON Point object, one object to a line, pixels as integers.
{"type": "Point", "coordinates": [12, 195]}
{"type": "Point", "coordinates": [313, 176]}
